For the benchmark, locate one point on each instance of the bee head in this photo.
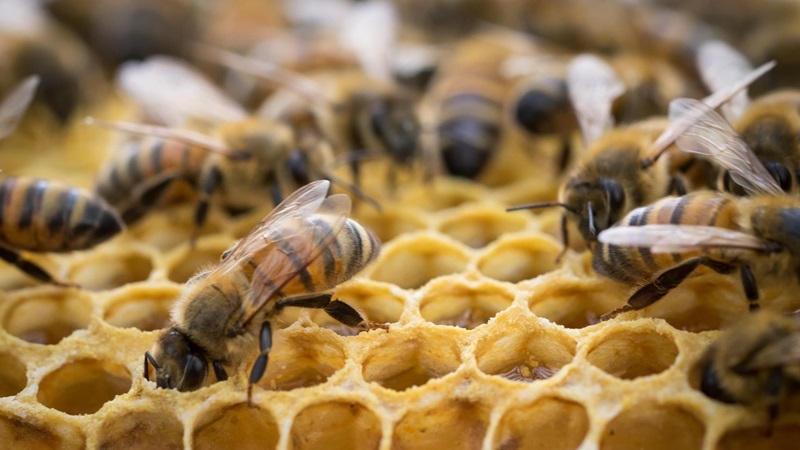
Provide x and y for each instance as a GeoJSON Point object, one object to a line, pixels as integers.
{"type": "Point", "coordinates": [539, 108]}
{"type": "Point", "coordinates": [178, 363]}
{"type": "Point", "coordinates": [598, 204]}
{"type": "Point", "coordinates": [394, 123]}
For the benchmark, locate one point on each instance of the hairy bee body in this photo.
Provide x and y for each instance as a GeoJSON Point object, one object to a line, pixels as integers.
{"type": "Point", "coordinates": [136, 178]}
{"type": "Point", "coordinates": [45, 216]}
{"type": "Point", "coordinates": [294, 257]}
{"type": "Point", "coordinates": [754, 363]}
{"type": "Point", "coordinates": [216, 296]}
{"type": "Point", "coordinates": [772, 219]}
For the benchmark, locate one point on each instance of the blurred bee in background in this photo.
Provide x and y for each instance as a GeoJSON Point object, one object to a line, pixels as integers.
{"type": "Point", "coordinates": [130, 30]}
{"type": "Point", "coordinates": [755, 363]}
{"type": "Point", "coordinates": [241, 163]}
{"type": "Point", "coordinates": [32, 43]}
{"type": "Point", "coordinates": [293, 257]}
{"type": "Point", "coordinates": [661, 244]}
{"type": "Point", "coordinates": [41, 215]}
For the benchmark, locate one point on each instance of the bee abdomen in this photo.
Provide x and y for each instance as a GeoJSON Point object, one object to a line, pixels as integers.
{"type": "Point", "coordinates": [39, 215]}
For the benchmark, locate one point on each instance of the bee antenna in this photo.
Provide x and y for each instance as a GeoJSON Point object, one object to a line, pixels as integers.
{"type": "Point", "coordinates": [592, 228]}
{"type": "Point", "coordinates": [542, 205]}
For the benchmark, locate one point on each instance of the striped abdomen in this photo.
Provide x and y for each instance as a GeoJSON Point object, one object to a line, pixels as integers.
{"type": "Point", "coordinates": [469, 128]}
{"type": "Point", "coordinates": [44, 216]}
{"type": "Point", "coordinates": [143, 162]}
{"type": "Point", "coordinates": [352, 249]}
{"type": "Point", "coordinates": [636, 264]}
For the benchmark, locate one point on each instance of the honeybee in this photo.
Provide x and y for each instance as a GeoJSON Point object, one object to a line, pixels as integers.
{"type": "Point", "coordinates": [754, 363]}
{"type": "Point", "coordinates": [244, 161]}
{"type": "Point", "coordinates": [299, 252]}
{"type": "Point", "coordinates": [756, 235]}
{"type": "Point", "coordinates": [32, 43]}
{"type": "Point", "coordinates": [611, 177]}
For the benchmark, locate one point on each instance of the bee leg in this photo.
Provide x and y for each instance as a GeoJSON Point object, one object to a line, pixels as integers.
{"type": "Point", "coordinates": [316, 302]}
{"type": "Point", "coordinates": [274, 188]}
{"type": "Point", "coordinates": [677, 186]}
{"type": "Point", "coordinates": [260, 366]}
{"type": "Point", "coordinates": [219, 371]}
{"type": "Point", "coordinates": [32, 269]}
{"type": "Point", "coordinates": [355, 171]}
{"type": "Point", "coordinates": [209, 182]}
{"type": "Point", "coordinates": [147, 196]}
{"type": "Point", "coordinates": [665, 282]}
{"type": "Point", "coordinates": [564, 154]}
{"type": "Point", "coordinates": [349, 316]}
{"type": "Point", "coordinates": [750, 287]}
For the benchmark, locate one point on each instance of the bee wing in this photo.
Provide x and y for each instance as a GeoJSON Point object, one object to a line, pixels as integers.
{"type": "Point", "coordinates": [593, 86]}
{"type": "Point", "coordinates": [15, 104]}
{"type": "Point", "coordinates": [721, 65]}
{"type": "Point", "coordinates": [710, 135]}
{"type": "Point", "coordinates": [783, 352]}
{"type": "Point", "coordinates": [286, 242]}
{"type": "Point", "coordinates": [370, 32]}
{"type": "Point", "coordinates": [170, 91]}
{"type": "Point", "coordinates": [714, 101]}
{"type": "Point", "coordinates": [679, 238]}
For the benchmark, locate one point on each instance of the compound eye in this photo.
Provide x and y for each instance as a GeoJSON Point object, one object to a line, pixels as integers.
{"type": "Point", "coordinates": [195, 370]}
{"type": "Point", "coordinates": [535, 110]}
{"type": "Point", "coordinates": [781, 174]}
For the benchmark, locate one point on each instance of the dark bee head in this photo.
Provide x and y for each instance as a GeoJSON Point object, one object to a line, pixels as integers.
{"type": "Point", "coordinates": [598, 204]}
{"type": "Point", "coordinates": [266, 142]}
{"type": "Point", "coordinates": [394, 123]}
{"type": "Point", "coordinates": [59, 87]}
{"type": "Point", "coordinates": [179, 364]}
{"type": "Point", "coordinates": [98, 222]}
{"type": "Point", "coordinates": [467, 144]}
{"type": "Point", "coordinates": [541, 109]}
{"type": "Point", "coordinates": [298, 165]}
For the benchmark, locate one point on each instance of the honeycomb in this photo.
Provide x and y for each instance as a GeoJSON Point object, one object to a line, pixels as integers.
{"type": "Point", "coordinates": [492, 343]}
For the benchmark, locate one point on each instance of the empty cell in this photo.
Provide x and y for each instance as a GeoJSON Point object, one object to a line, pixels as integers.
{"type": "Point", "coordinates": [445, 193]}
{"type": "Point", "coordinates": [167, 229]}
{"type": "Point", "coordinates": [12, 375]}
{"type": "Point", "coordinates": [239, 427]}
{"type": "Point", "coordinates": [375, 302]}
{"type": "Point", "coordinates": [336, 426]}
{"type": "Point", "coordinates": [519, 258]}
{"type": "Point", "coordinates": [19, 433]}
{"type": "Point", "coordinates": [108, 271]}
{"type": "Point", "coordinates": [654, 427]}
{"type": "Point", "coordinates": [454, 425]}
{"type": "Point", "coordinates": [129, 430]}
{"type": "Point", "coordinates": [301, 358]}
{"type": "Point", "coordinates": [48, 317]}
{"type": "Point", "coordinates": [576, 303]}
{"type": "Point", "coordinates": [143, 307]}
{"type": "Point", "coordinates": [392, 222]}
{"type": "Point", "coordinates": [451, 302]}
{"type": "Point", "coordinates": [524, 353]}
{"type": "Point", "coordinates": [782, 436]}
{"type": "Point", "coordinates": [547, 424]}
{"type": "Point", "coordinates": [191, 261]}
{"type": "Point", "coordinates": [402, 362]}
{"type": "Point", "coordinates": [416, 261]}
{"type": "Point", "coordinates": [632, 353]}
{"type": "Point", "coordinates": [477, 227]}
{"type": "Point", "coordinates": [83, 386]}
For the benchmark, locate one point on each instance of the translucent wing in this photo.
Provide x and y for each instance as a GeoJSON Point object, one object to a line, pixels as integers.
{"type": "Point", "coordinates": [285, 242]}
{"type": "Point", "coordinates": [713, 101]}
{"type": "Point", "coordinates": [189, 137]}
{"type": "Point", "coordinates": [15, 104]}
{"type": "Point", "coordinates": [710, 135]}
{"type": "Point", "coordinates": [171, 92]}
{"type": "Point", "coordinates": [679, 238]}
{"type": "Point", "coordinates": [369, 30]}
{"type": "Point", "coordinates": [721, 65]}
{"type": "Point", "coordinates": [780, 353]}
{"type": "Point", "coordinates": [593, 86]}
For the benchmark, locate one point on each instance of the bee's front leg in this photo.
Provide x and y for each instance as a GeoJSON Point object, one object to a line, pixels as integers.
{"type": "Point", "coordinates": [260, 366]}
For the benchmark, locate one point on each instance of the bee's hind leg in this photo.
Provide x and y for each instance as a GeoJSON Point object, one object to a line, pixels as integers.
{"type": "Point", "coordinates": [337, 309]}
{"type": "Point", "coordinates": [34, 270]}
{"type": "Point", "coordinates": [260, 366]}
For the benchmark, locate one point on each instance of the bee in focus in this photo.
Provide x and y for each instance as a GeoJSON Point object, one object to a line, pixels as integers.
{"type": "Point", "coordinates": [617, 172]}
{"type": "Point", "coordinates": [31, 42]}
{"type": "Point", "coordinates": [242, 164]}
{"type": "Point", "coordinates": [755, 363]}
{"type": "Point", "coordinates": [661, 244]}
{"type": "Point", "coordinates": [304, 248]}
